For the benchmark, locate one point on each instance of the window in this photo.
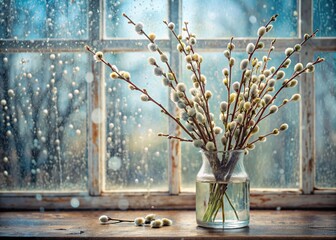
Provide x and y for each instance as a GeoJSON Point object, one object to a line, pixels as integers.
{"type": "Point", "coordinates": [70, 137]}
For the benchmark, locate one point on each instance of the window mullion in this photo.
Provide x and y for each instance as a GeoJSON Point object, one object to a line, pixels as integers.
{"type": "Point", "coordinates": [127, 45]}
{"type": "Point", "coordinates": [57, 45]}
{"type": "Point", "coordinates": [307, 104]}
{"type": "Point", "coordinates": [96, 142]}
{"type": "Point", "coordinates": [174, 163]}
{"type": "Point", "coordinates": [217, 45]}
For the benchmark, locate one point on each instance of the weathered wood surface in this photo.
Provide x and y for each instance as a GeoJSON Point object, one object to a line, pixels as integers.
{"type": "Point", "coordinates": [141, 200]}
{"type": "Point", "coordinates": [84, 224]}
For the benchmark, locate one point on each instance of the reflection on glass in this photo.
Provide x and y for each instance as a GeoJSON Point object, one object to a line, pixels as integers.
{"type": "Point", "coordinates": [325, 17]}
{"type": "Point", "coordinates": [43, 121]}
{"type": "Point", "coordinates": [44, 19]}
{"type": "Point", "coordinates": [136, 158]}
{"type": "Point", "coordinates": [150, 13]}
{"type": "Point", "coordinates": [242, 18]}
{"type": "Point", "coordinates": [272, 164]}
{"type": "Point", "coordinates": [325, 126]}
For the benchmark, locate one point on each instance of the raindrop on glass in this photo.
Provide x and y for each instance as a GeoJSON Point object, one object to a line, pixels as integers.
{"type": "Point", "coordinates": [11, 93]}
{"type": "Point", "coordinates": [252, 19]}
{"type": "Point", "coordinates": [114, 163]}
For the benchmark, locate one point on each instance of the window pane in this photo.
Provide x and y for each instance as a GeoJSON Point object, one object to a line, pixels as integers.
{"type": "Point", "coordinates": [273, 164]}
{"type": "Point", "coordinates": [3, 28]}
{"type": "Point", "coordinates": [43, 121]}
{"type": "Point", "coordinates": [325, 132]}
{"type": "Point", "coordinates": [325, 17]}
{"type": "Point", "coordinates": [191, 164]}
{"type": "Point", "coordinates": [150, 13]}
{"type": "Point", "coordinates": [44, 19]}
{"type": "Point", "coordinates": [136, 158]}
{"type": "Point", "coordinates": [217, 19]}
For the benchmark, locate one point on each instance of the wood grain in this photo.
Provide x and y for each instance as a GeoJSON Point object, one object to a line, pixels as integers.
{"type": "Point", "coordinates": [163, 201]}
{"type": "Point", "coordinates": [84, 224]}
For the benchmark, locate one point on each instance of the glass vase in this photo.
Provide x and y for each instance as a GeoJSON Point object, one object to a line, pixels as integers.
{"type": "Point", "coordinates": [223, 191]}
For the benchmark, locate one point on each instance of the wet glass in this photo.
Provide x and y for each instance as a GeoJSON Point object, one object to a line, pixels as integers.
{"type": "Point", "coordinates": [325, 120]}
{"type": "Point", "coordinates": [324, 17]}
{"type": "Point", "coordinates": [136, 158]}
{"type": "Point", "coordinates": [150, 13]}
{"type": "Point", "coordinates": [41, 19]}
{"type": "Point", "coordinates": [43, 126]}
{"type": "Point", "coordinates": [219, 19]}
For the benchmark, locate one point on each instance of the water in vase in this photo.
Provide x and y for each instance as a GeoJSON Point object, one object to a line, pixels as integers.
{"type": "Point", "coordinates": [212, 198]}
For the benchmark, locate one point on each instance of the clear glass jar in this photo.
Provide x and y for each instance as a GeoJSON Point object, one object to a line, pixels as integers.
{"type": "Point", "coordinates": [223, 191]}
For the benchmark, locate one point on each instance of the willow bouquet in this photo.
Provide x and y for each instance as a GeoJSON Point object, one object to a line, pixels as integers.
{"type": "Point", "coordinates": [250, 99]}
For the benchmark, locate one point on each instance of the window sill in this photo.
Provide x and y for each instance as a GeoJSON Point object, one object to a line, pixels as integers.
{"type": "Point", "coordinates": [84, 224]}
{"type": "Point", "coordinates": [260, 199]}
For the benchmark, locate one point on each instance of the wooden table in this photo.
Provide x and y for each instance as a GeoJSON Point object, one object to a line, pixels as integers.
{"type": "Point", "coordinates": [85, 224]}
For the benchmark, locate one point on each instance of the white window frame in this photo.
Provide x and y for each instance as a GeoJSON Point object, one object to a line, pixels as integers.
{"type": "Point", "coordinates": [307, 196]}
